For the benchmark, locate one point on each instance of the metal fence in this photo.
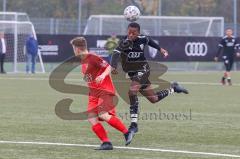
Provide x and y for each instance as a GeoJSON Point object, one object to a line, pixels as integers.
{"type": "Point", "coordinates": [58, 26]}
{"type": "Point", "coordinates": [157, 25]}
{"type": "Point", "coordinates": [71, 26]}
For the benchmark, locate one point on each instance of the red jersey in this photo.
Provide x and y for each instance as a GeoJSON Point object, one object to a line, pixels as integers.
{"type": "Point", "coordinates": [92, 67]}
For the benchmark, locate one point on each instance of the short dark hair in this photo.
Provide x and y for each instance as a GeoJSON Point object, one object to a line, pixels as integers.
{"type": "Point", "coordinates": [229, 29]}
{"type": "Point", "coordinates": [134, 25]}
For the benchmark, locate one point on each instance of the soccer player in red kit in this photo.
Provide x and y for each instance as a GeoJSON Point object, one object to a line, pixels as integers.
{"type": "Point", "coordinates": [101, 92]}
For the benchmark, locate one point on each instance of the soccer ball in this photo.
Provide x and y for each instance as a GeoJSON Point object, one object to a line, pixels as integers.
{"type": "Point", "coordinates": [131, 13]}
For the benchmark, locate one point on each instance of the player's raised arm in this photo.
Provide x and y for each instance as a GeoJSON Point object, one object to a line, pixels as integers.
{"type": "Point", "coordinates": [123, 45]}
{"type": "Point", "coordinates": [114, 60]}
{"type": "Point", "coordinates": [153, 44]}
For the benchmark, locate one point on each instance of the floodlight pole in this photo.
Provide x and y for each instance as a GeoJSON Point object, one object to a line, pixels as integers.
{"type": "Point", "coordinates": [79, 15]}
{"type": "Point", "coordinates": [4, 5]}
{"type": "Point", "coordinates": [235, 17]}
{"type": "Point", "coordinates": [159, 14]}
{"type": "Point", "coordinates": [160, 8]}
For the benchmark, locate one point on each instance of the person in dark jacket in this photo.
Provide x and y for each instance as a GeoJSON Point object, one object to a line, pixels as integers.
{"type": "Point", "coordinates": [32, 51]}
{"type": "Point", "coordinates": [3, 50]}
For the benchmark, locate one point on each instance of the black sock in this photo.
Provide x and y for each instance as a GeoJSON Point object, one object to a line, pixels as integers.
{"type": "Point", "coordinates": [223, 80]}
{"type": "Point", "coordinates": [133, 108]}
{"type": "Point", "coordinates": [163, 93]}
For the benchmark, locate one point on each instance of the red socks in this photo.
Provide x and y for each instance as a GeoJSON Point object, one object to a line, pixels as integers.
{"type": "Point", "coordinates": [117, 124]}
{"type": "Point", "coordinates": [100, 132]}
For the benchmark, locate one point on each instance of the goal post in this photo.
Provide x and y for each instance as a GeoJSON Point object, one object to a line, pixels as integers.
{"type": "Point", "coordinates": [157, 25]}
{"type": "Point", "coordinates": [17, 28]}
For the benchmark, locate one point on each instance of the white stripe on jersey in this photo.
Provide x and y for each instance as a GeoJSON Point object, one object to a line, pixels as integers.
{"type": "Point", "coordinates": [220, 45]}
{"type": "Point", "coordinates": [227, 37]}
{"type": "Point", "coordinates": [141, 36]}
{"type": "Point", "coordinates": [115, 50]}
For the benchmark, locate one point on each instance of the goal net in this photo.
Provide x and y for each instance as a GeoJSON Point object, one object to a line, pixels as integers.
{"type": "Point", "coordinates": [17, 28]}
{"type": "Point", "coordinates": [157, 25]}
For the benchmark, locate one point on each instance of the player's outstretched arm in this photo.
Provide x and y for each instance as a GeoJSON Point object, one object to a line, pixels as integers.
{"type": "Point", "coordinates": [238, 54]}
{"type": "Point", "coordinates": [218, 53]}
{"type": "Point", "coordinates": [220, 47]}
{"type": "Point", "coordinates": [114, 61]}
{"type": "Point", "coordinates": [164, 52]}
{"type": "Point", "coordinates": [153, 44]}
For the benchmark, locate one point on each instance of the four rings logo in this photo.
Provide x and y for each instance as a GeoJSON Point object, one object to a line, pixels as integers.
{"type": "Point", "coordinates": [134, 55]}
{"type": "Point", "coordinates": [196, 49]}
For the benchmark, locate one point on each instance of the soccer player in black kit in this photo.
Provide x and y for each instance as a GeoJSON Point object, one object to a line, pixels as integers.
{"type": "Point", "coordinates": [230, 46]}
{"type": "Point", "coordinates": [131, 51]}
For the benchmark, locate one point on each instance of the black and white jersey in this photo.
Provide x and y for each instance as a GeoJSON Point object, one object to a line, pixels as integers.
{"type": "Point", "coordinates": [132, 53]}
{"type": "Point", "coordinates": [229, 46]}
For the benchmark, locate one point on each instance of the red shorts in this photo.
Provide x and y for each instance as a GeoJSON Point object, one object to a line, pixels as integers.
{"type": "Point", "coordinates": [100, 103]}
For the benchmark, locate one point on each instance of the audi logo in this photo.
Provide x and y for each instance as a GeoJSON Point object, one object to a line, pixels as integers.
{"type": "Point", "coordinates": [134, 55]}
{"type": "Point", "coordinates": [196, 49]}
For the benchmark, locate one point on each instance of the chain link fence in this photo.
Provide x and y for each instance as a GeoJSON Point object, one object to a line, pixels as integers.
{"type": "Point", "coordinates": [71, 26]}
{"type": "Point", "coordinates": [58, 26]}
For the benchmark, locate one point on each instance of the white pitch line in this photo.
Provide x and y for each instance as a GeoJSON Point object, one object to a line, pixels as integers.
{"type": "Point", "coordinates": [206, 83]}
{"type": "Point", "coordinates": [24, 78]}
{"type": "Point", "coordinates": [126, 148]}
{"type": "Point", "coordinates": [81, 80]}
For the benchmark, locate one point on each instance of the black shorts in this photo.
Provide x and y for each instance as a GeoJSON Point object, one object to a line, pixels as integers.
{"type": "Point", "coordinates": [228, 62]}
{"type": "Point", "coordinates": [141, 77]}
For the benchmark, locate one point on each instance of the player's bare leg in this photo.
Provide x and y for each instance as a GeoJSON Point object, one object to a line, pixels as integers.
{"type": "Point", "coordinates": [155, 97]}
{"type": "Point", "coordinates": [134, 89]}
{"type": "Point", "coordinates": [223, 81]}
{"type": "Point", "coordinates": [152, 96]}
{"type": "Point", "coordinates": [132, 93]}
{"type": "Point", "coordinates": [229, 80]}
{"type": "Point", "coordinates": [227, 76]}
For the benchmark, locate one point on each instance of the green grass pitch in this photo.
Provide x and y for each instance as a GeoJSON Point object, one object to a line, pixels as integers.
{"type": "Point", "coordinates": [208, 120]}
